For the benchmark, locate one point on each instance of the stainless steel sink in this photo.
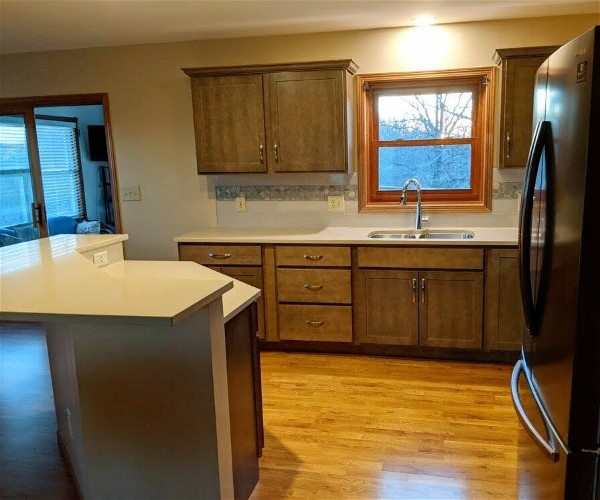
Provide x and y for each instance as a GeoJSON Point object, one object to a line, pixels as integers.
{"type": "Point", "coordinates": [424, 234]}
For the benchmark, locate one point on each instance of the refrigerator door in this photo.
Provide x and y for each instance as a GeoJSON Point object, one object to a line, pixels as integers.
{"type": "Point", "coordinates": [568, 107]}
{"type": "Point", "coordinates": [542, 461]}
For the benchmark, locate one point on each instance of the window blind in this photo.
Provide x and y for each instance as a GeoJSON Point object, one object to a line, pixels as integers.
{"type": "Point", "coordinates": [16, 194]}
{"type": "Point", "coordinates": [61, 168]}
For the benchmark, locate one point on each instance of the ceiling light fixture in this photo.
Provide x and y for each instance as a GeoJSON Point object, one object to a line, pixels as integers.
{"type": "Point", "coordinates": [423, 21]}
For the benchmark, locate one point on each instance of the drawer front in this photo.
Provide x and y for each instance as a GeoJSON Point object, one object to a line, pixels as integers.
{"type": "Point", "coordinates": [315, 323]}
{"type": "Point", "coordinates": [221, 255]}
{"type": "Point", "coordinates": [421, 258]}
{"type": "Point", "coordinates": [330, 286]}
{"type": "Point", "coordinates": [313, 256]}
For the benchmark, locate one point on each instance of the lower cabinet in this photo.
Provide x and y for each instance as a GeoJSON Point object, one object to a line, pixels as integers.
{"type": "Point", "coordinates": [388, 311]}
{"type": "Point", "coordinates": [359, 297]}
{"type": "Point", "coordinates": [451, 309]}
{"type": "Point", "coordinates": [504, 320]}
{"type": "Point", "coordinates": [245, 400]}
{"type": "Point", "coordinates": [251, 276]}
{"type": "Point", "coordinates": [425, 308]}
{"type": "Point", "coordinates": [314, 293]}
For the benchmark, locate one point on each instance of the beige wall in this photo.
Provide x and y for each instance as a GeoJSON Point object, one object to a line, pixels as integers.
{"type": "Point", "coordinates": [151, 111]}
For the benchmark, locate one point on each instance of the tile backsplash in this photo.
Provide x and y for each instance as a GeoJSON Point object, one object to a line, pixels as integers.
{"type": "Point", "coordinates": [301, 200]}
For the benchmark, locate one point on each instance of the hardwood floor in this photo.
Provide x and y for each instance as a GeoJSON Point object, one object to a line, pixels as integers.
{"type": "Point", "coordinates": [31, 464]}
{"type": "Point", "coordinates": [365, 428]}
{"type": "Point", "coordinates": [340, 427]}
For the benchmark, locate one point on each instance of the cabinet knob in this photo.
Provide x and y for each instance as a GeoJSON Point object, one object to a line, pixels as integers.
{"type": "Point", "coordinates": [414, 290]}
{"type": "Point", "coordinates": [314, 323]}
{"type": "Point", "coordinates": [423, 290]}
{"type": "Point", "coordinates": [276, 152]}
{"type": "Point", "coordinates": [507, 145]}
{"type": "Point", "coordinates": [261, 153]}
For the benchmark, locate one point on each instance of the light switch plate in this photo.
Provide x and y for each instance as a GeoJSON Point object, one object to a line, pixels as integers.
{"type": "Point", "coordinates": [131, 193]}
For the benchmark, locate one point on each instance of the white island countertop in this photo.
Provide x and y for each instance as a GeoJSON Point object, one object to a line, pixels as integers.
{"type": "Point", "coordinates": [50, 280]}
{"type": "Point", "coordinates": [483, 236]}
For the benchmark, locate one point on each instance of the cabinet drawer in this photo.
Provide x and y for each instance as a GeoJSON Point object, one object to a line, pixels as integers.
{"type": "Point", "coordinates": [330, 286]}
{"type": "Point", "coordinates": [320, 323]}
{"type": "Point", "coordinates": [313, 256]}
{"type": "Point", "coordinates": [421, 258]}
{"type": "Point", "coordinates": [226, 255]}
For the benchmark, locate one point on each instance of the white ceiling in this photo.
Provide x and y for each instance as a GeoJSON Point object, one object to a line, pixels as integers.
{"type": "Point", "coordinates": [39, 25]}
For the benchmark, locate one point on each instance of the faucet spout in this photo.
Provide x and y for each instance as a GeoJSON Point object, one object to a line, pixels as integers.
{"type": "Point", "coordinates": [417, 185]}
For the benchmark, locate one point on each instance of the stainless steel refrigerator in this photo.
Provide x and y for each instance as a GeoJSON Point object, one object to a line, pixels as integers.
{"type": "Point", "coordinates": [556, 383]}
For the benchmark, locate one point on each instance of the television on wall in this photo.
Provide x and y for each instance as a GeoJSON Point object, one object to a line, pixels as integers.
{"type": "Point", "coordinates": [97, 143]}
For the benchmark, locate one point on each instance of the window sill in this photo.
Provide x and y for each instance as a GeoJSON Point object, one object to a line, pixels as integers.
{"type": "Point", "coordinates": [381, 207]}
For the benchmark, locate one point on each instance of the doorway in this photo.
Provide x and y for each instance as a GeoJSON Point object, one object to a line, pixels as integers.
{"type": "Point", "coordinates": [57, 168]}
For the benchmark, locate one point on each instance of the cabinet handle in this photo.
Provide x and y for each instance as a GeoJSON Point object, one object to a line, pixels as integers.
{"type": "Point", "coordinates": [422, 290]}
{"type": "Point", "coordinates": [414, 290]}
{"type": "Point", "coordinates": [313, 257]}
{"type": "Point", "coordinates": [315, 323]}
{"type": "Point", "coordinates": [221, 256]}
{"type": "Point", "coordinates": [312, 288]}
{"type": "Point", "coordinates": [276, 151]}
{"type": "Point", "coordinates": [261, 153]}
{"type": "Point", "coordinates": [508, 145]}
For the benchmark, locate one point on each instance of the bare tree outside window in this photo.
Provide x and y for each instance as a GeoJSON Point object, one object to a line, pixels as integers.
{"type": "Point", "coordinates": [426, 136]}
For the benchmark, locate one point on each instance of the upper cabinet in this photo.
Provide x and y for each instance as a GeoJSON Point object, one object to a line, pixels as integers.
{"type": "Point", "coordinates": [272, 118]}
{"type": "Point", "coordinates": [518, 69]}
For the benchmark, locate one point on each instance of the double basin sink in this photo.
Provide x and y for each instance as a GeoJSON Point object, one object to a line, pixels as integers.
{"type": "Point", "coordinates": [423, 234]}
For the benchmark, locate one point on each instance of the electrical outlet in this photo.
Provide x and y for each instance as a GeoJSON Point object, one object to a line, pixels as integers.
{"type": "Point", "coordinates": [336, 204]}
{"type": "Point", "coordinates": [131, 193]}
{"type": "Point", "coordinates": [240, 204]}
{"type": "Point", "coordinates": [101, 258]}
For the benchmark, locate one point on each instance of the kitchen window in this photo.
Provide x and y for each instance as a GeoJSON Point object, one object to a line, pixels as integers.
{"type": "Point", "coordinates": [435, 127]}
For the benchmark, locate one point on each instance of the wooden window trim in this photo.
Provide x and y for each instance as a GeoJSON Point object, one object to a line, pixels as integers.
{"type": "Point", "coordinates": [479, 198]}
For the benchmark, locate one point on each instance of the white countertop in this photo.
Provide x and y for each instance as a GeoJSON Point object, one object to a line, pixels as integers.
{"type": "Point", "coordinates": [484, 236]}
{"type": "Point", "coordinates": [49, 280]}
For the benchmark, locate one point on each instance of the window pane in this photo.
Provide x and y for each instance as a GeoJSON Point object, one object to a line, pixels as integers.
{"type": "Point", "coordinates": [425, 116]}
{"type": "Point", "coordinates": [59, 160]}
{"type": "Point", "coordinates": [435, 167]}
{"type": "Point", "coordinates": [16, 193]}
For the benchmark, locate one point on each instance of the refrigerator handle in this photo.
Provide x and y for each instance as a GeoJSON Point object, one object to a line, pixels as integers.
{"type": "Point", "coordinates": [533, 162]}
{"type": "Point", "coordinates": [548, 447]}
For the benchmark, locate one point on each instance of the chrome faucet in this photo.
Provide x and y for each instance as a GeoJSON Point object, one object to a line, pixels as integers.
{"type": "Point", "coordinates": [403, 199]}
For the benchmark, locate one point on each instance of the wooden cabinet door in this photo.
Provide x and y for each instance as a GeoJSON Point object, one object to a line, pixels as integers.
{"type": "Point", "coordinates": [307, 124]}
{"type": "Point", "coordinates": [519, 66]}
{"type": "Point", "coordinates": [451, 309]}
{"type": "Point", "coordinates": [504, 320]}
{"type": "Point", "coordinates": [387, 307]}
{"type": "Point", "coordinates": [229, 123]}
{"type": "Point", "coordinates": [253, 277]}
{"type": "Point", "coordinates": [518, 109]}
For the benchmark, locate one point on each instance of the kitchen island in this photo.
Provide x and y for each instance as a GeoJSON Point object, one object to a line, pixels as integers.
{"type": "Point", "coordinates": [139, 363]}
